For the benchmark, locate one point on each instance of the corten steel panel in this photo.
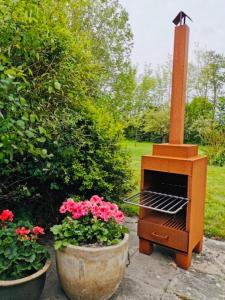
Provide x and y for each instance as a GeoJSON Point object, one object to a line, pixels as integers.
{"type": "Point", "coordinates": [195, 209]}
{"type": "Point", "coordinates": [178, 94]}
{"type": "Point", "coordinates": [175, 150]}
{"type": "Point", "coordinates": [167, 164]}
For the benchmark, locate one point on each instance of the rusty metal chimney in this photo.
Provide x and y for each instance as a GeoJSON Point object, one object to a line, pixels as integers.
{"type": "Point", "coordinates": [179, 78]}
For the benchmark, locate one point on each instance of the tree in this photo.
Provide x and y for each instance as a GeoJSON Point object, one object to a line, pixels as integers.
{"type": "Point", "coordinates": [121, 103]}
{"type": "Point", "coordinates": [199, 107]}
{"type": "Point", "coordinates": [107, 25]}
{"type": "Point", "coordinates": [220, 114]}
{"type": "Point", "coordinates": [211, 76]}
{"type": "Point", "coordinates": [143, 93]}
{"type": "Point", "coordinates": [156, 122]}
{"type": "Point", "coordinates": [162, 87]}
{"type": "Point", "coordinates": [198, 112]}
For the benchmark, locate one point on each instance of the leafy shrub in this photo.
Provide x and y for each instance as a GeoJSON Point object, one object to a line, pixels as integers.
{"type": "Point", "coordinates": [213, 136]}
{"type": "Point", "coordinates": [89, 222]}
{"type": "Point", "coordinates": [216, 155]}
{"type": "Point", "coordinates": [20, 254]}
{"type": "Point", "coordinates": [54, 140]}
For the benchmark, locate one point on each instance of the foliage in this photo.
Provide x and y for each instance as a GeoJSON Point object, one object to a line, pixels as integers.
{"type": "Point", "coordinates": [214, 137]}
{"type": "Point", "coordinates": [143, 93]}
{"type": "Point", "coordinates": [89, 222]}
{"type": "Point", "coordinates": [199, 107]}
{"type": "Point", "coordinates": [216, 155]}
{"type": "Point", "coordinates": [55, 137]}
{"type": "Point", "coordinates": [205, 91]}
{"type": "Point", "coordinates": [220, 114]}
{"type": "Point", "coordinates": [156, 121]}
{"type": "Point", "coordinates": [20, 254]}
{"type": "Point", "coordinates": [162, 83]}
{"type": "Point", "coordinates": [208, 132]}
{"type": "Point", "coordinates": [211, 76]}
{"type": "Point", "coordinates": [152, 124]}
{"type": "Point", "coordinates": [198, 117]}
{"type": "Point", "coordinates": [110, 32]}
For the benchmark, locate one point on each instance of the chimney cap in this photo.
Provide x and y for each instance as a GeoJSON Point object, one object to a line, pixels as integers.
{"type": "Point", "coordinates": [181, 17]}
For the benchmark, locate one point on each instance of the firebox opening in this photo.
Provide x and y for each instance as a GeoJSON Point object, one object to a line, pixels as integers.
{"type": "Point", "coordinates": [162, 192]}
{"type": "Point", "coordinates": [166, 183]}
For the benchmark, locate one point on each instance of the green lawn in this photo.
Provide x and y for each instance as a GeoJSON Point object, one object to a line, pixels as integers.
{"type": "Point", "coordinates": [215, 201]}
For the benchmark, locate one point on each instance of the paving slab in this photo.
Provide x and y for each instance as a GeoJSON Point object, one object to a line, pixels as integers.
{"type": "Point", "coordinates": [157, 277]}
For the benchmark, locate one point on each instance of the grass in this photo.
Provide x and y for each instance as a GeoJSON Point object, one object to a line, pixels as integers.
{"type": "Point", "coordinates": [215, 199]}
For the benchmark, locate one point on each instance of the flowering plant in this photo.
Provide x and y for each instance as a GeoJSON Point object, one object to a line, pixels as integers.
{"type": "Point", "coordinates": [93, 221]}
{"type": "Point", "coordinates": [20, 254]}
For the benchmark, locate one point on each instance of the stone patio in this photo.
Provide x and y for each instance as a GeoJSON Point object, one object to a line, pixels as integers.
{"type": "Point", "coordinates": [157, 276]}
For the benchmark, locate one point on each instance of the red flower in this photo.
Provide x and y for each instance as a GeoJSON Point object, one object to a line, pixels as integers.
{"type": "Point", "coordinates": [22, 231]}
{"type": "Point", "coordinates": [6, 215]}
{"type": "Point", "coordinates": [38, 230]}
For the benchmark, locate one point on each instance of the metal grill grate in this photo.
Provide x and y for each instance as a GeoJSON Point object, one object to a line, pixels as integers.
{"type": "Point", "coordinates": [175, 224]}
{"type": "Point", "coordinates": [165, 203]}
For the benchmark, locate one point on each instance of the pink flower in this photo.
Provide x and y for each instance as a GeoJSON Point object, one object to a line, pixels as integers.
{"type": "Point", "coordinates": [76, 215]}
{"type": "Point", "coordinates": [96, 199]}
{"type": "Point", "coordinates": [38, 230]}
{"type": "Point", "coordinates": [95, 210]}
{"type": "Point", "coordinates": [70, 205]}
{"type": "Point", "coordinates": [113, 207]}
{"type": "Point", "coordinates": [6, 215]}
{"type": "Point", "coordinates": [67, 206]}
{"type": "Point", "coordinates": [84, 207]}
{"type": "Point", "coordinates": [119, 217]}
{"type": "Point", "coordinates": [22, 231]}
{"type": "Point", "coordinates": [96, 206]}
{"type": "Point", "coordinates": [63, 209]}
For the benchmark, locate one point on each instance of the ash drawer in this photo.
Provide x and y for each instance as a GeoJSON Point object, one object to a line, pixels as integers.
{"type": "Point", "coordinates": [163, 235]}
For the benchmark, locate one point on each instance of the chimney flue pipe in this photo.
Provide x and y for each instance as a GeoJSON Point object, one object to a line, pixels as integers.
{"type": "Point", "coordinates": [179, 78]}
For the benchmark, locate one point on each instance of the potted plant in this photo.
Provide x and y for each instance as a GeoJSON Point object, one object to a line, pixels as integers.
{"type": "Point", "coordinates": [23, 261]}
{"type": "Point", "coordinates": [91, 248]}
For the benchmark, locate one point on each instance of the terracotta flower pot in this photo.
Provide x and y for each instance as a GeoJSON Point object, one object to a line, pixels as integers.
{"type": "Point", "coordinates": [27, 288]}
{"type": "Point", "coordinates": [88, 273]}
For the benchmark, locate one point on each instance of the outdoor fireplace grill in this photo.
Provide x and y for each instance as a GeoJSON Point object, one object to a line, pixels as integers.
{"type": "Point", "coordinates": [173, 178]}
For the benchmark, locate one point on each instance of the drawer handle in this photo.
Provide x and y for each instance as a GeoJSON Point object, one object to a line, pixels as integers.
{"type": "Point", "coordinates": [161, 237]}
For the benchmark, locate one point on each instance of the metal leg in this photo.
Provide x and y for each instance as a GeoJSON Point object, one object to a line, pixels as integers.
{"type": "Point", "coordinates": [198, 247]}
{"type": "Point", "coordinates": [183, 260]}
{"type": "Point", "coordinates": [145, 247]}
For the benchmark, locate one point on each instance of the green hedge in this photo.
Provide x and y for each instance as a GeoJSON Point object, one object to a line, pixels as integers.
{"type": "Point", "coordinates": [54, 140]}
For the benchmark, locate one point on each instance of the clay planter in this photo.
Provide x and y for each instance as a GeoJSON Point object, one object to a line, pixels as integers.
{"type": "Point", "coordinates": [27, 288]}
{"type": "Point", "coordinates": [88, 273]}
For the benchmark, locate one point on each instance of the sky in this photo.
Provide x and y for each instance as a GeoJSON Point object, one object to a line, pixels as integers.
{"type": "Point", "coordinates": [151, 24]}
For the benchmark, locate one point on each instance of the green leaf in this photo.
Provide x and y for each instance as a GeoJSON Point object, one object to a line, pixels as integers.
{"type": "Point", "coordinates": [44, 152]}
{"type": "Point", "coordinates": [50, 89]}
{"type": "Point", "coordinates": [42, 130]}
{"type": "Point", "coordinates": [33, 117]}
{"type": "Point", "coordinates": [20, 123]}
{"type": "Point", "coordinates": [54, 186]}
{"type": "Point", "coordinates": [58, 245]}
{"type": "Point", "coordinates": [41, 139]}
{"type": "Point", "coordinates": [30, 134]}
{"type": "Point", "coordinates": [56, 229]}
{"type": "Point", "coordinates": [57, 85]}
{"type": "Point", "coordinates": [23, 101]}
{"type": "Point", "coordinates": [30, 258]}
